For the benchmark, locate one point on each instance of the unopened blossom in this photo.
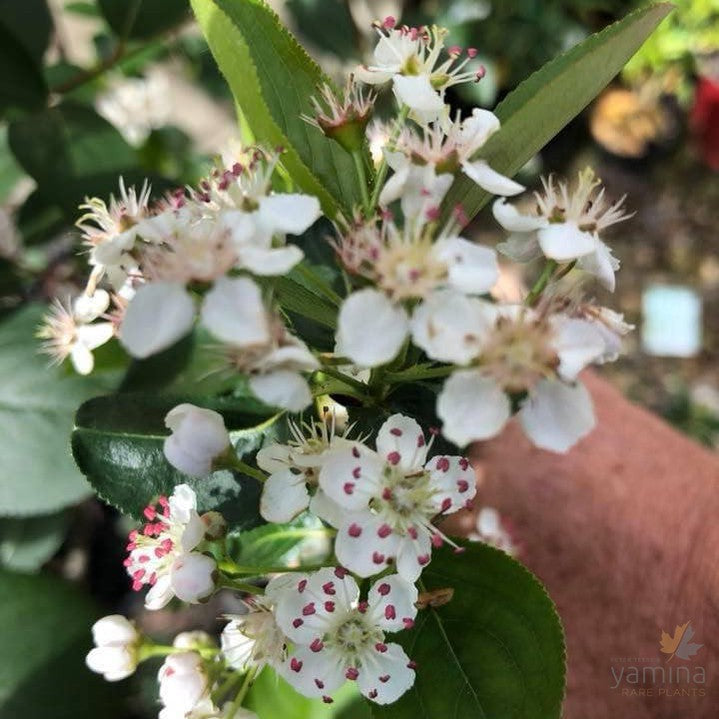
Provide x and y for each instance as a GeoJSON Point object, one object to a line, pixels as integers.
{"type": "Point", "coordinates": [257, 343]}
{"type": "Point", "coordinates": [565, 226]}
{"type": "Point", "coordinates": [199, 436]}
{"type": "Point", "coordinates": [69, 330]}
{"type": "Point", "coordinates": [420, 69]}
{"type": "Point", "coordinates": [195, 639]}
{"type": "Point", "coordinates": [404, 264]}
{"type": "Point", "coordinates": [254, 638]}
{"type": "Point", "coordinates": [426, 162]}
{"type": "Point", "coordinates": [491, 529]}
{"type": "Point", "coordinates": [337, 637]}
{"type": "Point", "coordinates": [519, 351]}
{"type": "Point", "coordinates": [115, 655]}
{"type": "Point", "coordinates": [110, 230]}
{"type": "Point", "coordinates": [391, 498]}
{"type": "Point", "coordinates": [294, 470]}
{"type": "Point", "coordinates": [161, 553]}
{"type": "Point", "coordinates": [184, 685]}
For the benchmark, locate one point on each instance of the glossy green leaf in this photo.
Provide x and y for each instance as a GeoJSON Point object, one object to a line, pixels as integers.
{"type": "Point", "coordinates": [272, 79]}
{"type": "Point", "coordinates": [27, 543]}
{"type": "Point", "coordinates": [296, 297]}
{"type": "Point", "coordinates": [22, 85]}
{"type": "Point", "coordinates": [271, 697]}
{"type": "Point", "coordinates": [495, 650]}
{"type": "Point", "coordinates": [117, 443]}
{"type": "Point", "coordinates": [37, 404]}
{"type": "Point", "coordinates": [46, 634]}
{"type": "Point", "coordinates": [313, 17]}
{"type": "Point", "coordinates": [543, 104]}
{"type": "Point", "coordinates": [30, 23]}
{"type": "Point", "coordinates": [143, 18]}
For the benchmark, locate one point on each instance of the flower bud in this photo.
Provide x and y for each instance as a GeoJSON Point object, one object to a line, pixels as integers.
{"type": "Point", "coordinates": [198, 437]}
{"type": "Point", "coordinates": [196, 639]}
{"type": "Point", "coordinates": [116, 645]}
{"type": "Point", "coordinates": [193, 577]}
{"type": "Point", "coordinates": [183, 683]}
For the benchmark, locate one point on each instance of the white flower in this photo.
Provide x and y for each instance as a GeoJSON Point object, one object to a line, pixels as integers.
{"type": "Point", "coordinates": [254, 638]}
{"type": "Point", "coordinates": [294, 469]}
{"type": "Point", "coordinates": [426, 163]}
{"type": "Point", "coordinates": [258, 344]}
{"type": "Point", "coordinates": [491, 530]}
{"type": "Point", "coordinates": [337, 637]}
{"type": "Point", "coordinates": [184, 684]}
{"type": "Point", "coordinates": [565, 226]}
{"type": "Point", "coordinates": [198, 437]}
{"type": "Point", "coordinates": [405, 264]}
{"type": "Point", "coordinates": [116, 646]}
{"type": "Point", "coordinates": [161, 553]}
{"type": "Point", "coordinates": [524, 352]}
{"type": "Point", "coordinates": [159, 314]}
{"type": "Point", "coordinates": [193, 640]}
{"type": "Point", "coordinates": [391, 498]}
{"type": "Point", "coordinates": [111, 231]}
{"type": "Point", "coordinates": [410, 57]}
{"type": "Point", "coordinates": [611, 326]}
{"type": "Point", "coordinates": [70, 331]}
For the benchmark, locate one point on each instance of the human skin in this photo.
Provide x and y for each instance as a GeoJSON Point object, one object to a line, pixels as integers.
{"type": "Point", "coordinates": [623, 531]}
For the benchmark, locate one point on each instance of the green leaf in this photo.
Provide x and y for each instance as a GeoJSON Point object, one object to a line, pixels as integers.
{"type": "Point", "coordinates": [46, 634]}
{"type": "Point", "coordinates": [10, 171]}
{"type": "Point", "coordinates": [30, 23]}
{"type": "Point", "coordinates": [117, 443]}
{"type": "Point", "coordinates": [71, 152]}
{"type": "Point", "coordinates": [27, 543]}
{"type": "Point", "coordinates": [272, 79]}
{"type": "Point", "coordinates": [21, 82]}
{"type": "Point", "coordinates": [495, 650]}
{"type": "Point", "coordinates": [271, 697]}
{"type": "Point", "coordinates": [37, 404]}
{"type": "Point", "coordinates": [313, 17]}
{"type": "Point", "coordinates": [142, 19]}
{"type": "Point", "coordinates": [543, 104]}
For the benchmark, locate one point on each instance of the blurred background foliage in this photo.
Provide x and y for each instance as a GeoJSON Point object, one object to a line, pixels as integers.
{"type": "Point", "coordinates": [94, 90]}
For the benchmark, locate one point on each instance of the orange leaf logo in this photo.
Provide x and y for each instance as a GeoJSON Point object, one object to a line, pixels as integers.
{"type": "Point", "coordinates": [680, 643]}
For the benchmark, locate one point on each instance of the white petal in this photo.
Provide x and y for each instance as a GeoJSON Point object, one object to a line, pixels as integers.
{"type": "Point", "coordinates": [392, 603]}
{"type": "Point", "coordinates": [451, 327]}
{"type": "Point", "coordinates": [556, 415]}
{"type": "Point", "coordinates": [350, 475]}
{"type": "Point", "coordinates": [564, 241]}
{"type": "Point", "coordinates": [392, 667]}
{"type": "Point", "coordinates": [362, 546]}
{"type": "Point", "coordinates": [477, 129]}
{"type": "Point", "coordinates": [577, 343]}
{"type": "Point", "coordinates": [82, 359]}
{"type": "Point", "coordinates": [314, 674]}
{"type": "Point", "coordinates": [274, 457]}
{"type": "Point", "coordinates": [413, 554]}
{"type": "Point", "coordinates": [295, 356]}
{"type": "Point", "coordinates": [113, 629]}
{"type": "Point", "coordinates": [92, 336]}
{"type": "Point", "coordinates": [484, 176]}
{"type": "Point", "coordinates": [417, 93]}
{"type": "Point", "coordinates": [601, 263]}
{"type": "Point", "coordinates": [269, 262]}
{"type": "Point", "coordinates": [511, 219]}
{"type": "Point", "coordinates": [234, 312]}
{"type": "Point", "coordinates": [472, 407]}
{"type": "Point", "coordinates": [283, 388]}
{"type": "Point", "coordinates": [454, 482]}
{"type": "Point", "coordinates": [370, 328]}
{"type": "Point", "coordinates": [243, 229]}
{"type": "Point", "coordinates": [472, 268]}
{"type": "Point", "coordinates": [289, 213]}
{"type": "Point", "coordinates": [115, 663]}
{"type": "Point", "coordinates": [391, 52]}
{"type": "Point", "coordinates": [521, 247]}
{"type": "Point", "coordinates": [192, 577]}
{"type": "Point", "coordinates": [158, 315]}
{"type": "Point", "coordinates": [160, 593]}
{"type": "Point", "coordinates": [373, 76]}
{"type": "Point", "coordinates": [284, 496]}
{"type": "Point", "coordinates": [87, 308]}
{"type": "Point", "coordinates": [401, 442]}
{"type": "Point", "coordinates": [326, 509]}
{"type": "Point", "coordinates": [394, 187]}
{"type": "Point", "coordinates": [236, 646]}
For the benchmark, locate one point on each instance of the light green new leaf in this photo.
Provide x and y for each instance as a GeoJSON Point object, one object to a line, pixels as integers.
{"type": "Point", "coordinates": [37, 404]}
{"type": "Point", "coordinates": [117, 443]}
{"type": "Point", "coordinates": [542, 105]}
{"type": "Point", "coordinates": [495, 650]}
{"type": "Point", "coordinates": [46, 634]}
{"type": "Point", "coordinates": [272, 79]}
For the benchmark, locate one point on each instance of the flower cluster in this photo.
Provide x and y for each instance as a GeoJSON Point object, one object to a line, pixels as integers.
{"type": "Point", "coordinates": [409, 299]}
